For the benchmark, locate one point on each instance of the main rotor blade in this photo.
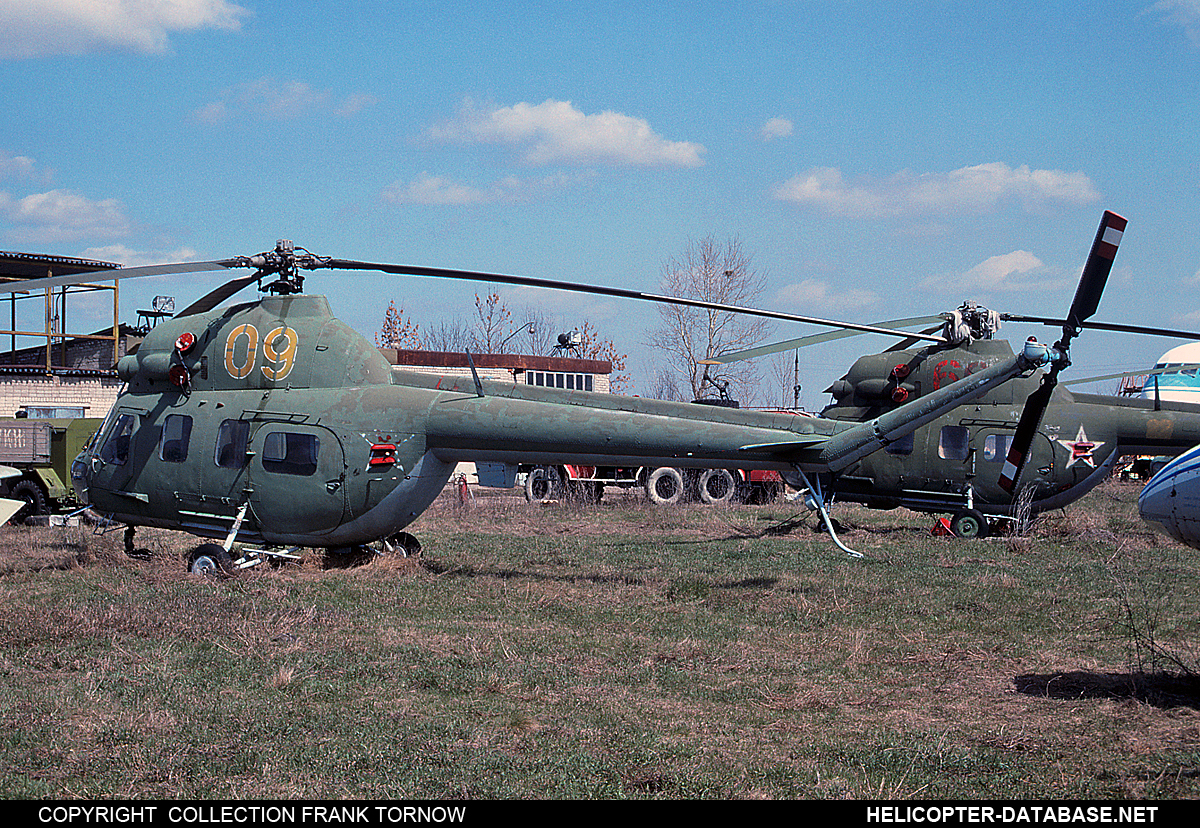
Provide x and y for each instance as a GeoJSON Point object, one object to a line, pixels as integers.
{"type": "Point", "coordinates": [600, 290]}
{"type": "Point", "coordinates": [1171, 369]}
{"type": "Point", "coordinates": [112, 274]}
{"type": "Point", "coordinates": [216, 297]}
{"type": "Point", "coordinates": [905, 344]}
{"type": "Point", "coordinates": [814, 339]}
{"type": "Point", "coordinates": [1103, 326]}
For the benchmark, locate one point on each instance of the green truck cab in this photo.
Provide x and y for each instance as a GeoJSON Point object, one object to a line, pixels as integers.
{"type": "Point", "coordinates": [35, 462]}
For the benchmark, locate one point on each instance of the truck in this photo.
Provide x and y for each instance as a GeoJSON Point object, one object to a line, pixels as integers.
{"type": "Point", "coordinates": [35, 462]}
{"type": "Point", "coordinates": [665, 485]}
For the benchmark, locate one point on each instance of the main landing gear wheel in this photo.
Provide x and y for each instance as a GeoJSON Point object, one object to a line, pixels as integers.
{"type": "Point", "coordinates": [403, 544]}
{"type": "Point", "coordinates": [969, 524]}
{"type": "Point", "coordinates": [210, 560]}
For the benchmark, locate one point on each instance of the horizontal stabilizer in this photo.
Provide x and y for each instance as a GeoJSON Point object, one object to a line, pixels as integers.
{"type": "Point", "coordinates": [785, 446]}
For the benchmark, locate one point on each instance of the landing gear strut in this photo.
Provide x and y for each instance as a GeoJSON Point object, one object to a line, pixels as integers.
{"type": "Point", "coordinates": [141, 554]}
{"type": "Point", "coordinates": [817, 501]}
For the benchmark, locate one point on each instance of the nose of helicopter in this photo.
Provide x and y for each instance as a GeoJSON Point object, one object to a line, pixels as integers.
{"type": "Point", "coordinates": [80, 477]}
{"type": "Point", "coordinates": [1172, 495]}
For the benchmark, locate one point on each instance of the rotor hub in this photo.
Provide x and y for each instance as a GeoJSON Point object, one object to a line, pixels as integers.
{"type": "Point", "coordinates": [285, 263]}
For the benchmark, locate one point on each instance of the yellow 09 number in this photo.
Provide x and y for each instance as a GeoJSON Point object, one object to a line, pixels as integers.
{"type": "Point", "coordinates": [279, 351]}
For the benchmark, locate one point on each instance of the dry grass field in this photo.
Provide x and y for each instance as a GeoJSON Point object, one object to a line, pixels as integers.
{"type": "Point", "coordinates": [612, 651]}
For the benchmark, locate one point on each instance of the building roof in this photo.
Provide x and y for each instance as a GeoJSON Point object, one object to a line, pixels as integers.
{"type": "Point", "coordinates": [35, 265]}
{"type": "Point", "coordinates": [512, 362]}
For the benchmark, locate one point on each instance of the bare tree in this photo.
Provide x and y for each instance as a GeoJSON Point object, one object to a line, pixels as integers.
{"type": "Point", "coordinates": [719, 273]}
{"type": "Point", "coordinates": [594, 346]}
{"type": "Point", "coordinates": [782, 383]}
{"type": "Point", "coordinates": [452, 337]}
{"type": "Point", "coordinates": [493, 323]}
{"type": "Point", "coordinates": [539, 333]}
{"type": "Point", "coordinates": [665, 386]}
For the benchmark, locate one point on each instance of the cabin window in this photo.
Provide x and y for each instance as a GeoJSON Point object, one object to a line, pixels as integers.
{"type": "Point", "coordinates": [176, 434]}
{"type": "Point", "coordinates": [954, 443]}
{"type": "Point", "coordinates": [996, 446]}
{"type": "Point", "coordinates": [233, 436]}
{"type": "Point", "coordinates": [289, 453]}
{"type": "Point", "coordinates": [904, 445]}
{"type": "Point", "coordinates": [116, 447]}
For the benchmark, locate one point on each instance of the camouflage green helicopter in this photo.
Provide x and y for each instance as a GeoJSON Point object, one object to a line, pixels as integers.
{"type": "Point", "coordinates": [272, 423]}
{"type": "Point", "coordinates": [966, 463]}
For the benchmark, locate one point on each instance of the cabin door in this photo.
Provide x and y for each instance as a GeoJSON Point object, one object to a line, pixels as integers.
{"type": "Point", "coordinates": [297, 476]}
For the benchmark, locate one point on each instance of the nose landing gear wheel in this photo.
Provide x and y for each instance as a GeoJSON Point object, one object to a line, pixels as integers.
{"type": "Point", "coordinates": [969, 524]}
{"type": "Point", "coordinates": [210, 560]}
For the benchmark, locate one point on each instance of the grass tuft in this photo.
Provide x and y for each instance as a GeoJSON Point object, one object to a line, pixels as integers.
{"type": "Point", "coordinates": [616, 650]}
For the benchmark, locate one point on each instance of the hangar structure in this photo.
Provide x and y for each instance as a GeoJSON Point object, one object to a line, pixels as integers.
{"type": "Point", "coordinates": [46, 370]}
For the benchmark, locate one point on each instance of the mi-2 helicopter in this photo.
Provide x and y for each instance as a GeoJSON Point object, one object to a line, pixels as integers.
{"type": "Point", "coordinates": [273, 423]}
{"type": "Point", "coordinates": [961, 464]}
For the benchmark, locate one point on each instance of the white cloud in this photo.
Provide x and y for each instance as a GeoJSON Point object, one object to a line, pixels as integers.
{"type": "Point", "coordinates": [1003, 272]}
{"type": "Point", "coordinates": [776, 128]}
{"type": "Point", "coordinates": [16, 166]}
{"type": "Point", "coordinates": [814, 293]}
{"type": "Point", "coordinates": [356, 102]}
{"type": "Point", "coordinates": [557, 132]}
{"type": "Point", "coordinates": [438, 190]}
{"type": "Point", "coordinates": [275, 99]}
{"type": "Point", "coordinates": [62, 215]}
{"type": "Point", "coordinates": [34, 28]}
{"type": "Point", "coordinates": [129, 257]}
{"type": "Point", "coordinates": [1184, 13]}
{"type": "Point", "coordinates": [1018, 271]}
{"type": "Point", "coordinates": [434, 189]}
{"type": "Point", "coordinates": [980, 187]}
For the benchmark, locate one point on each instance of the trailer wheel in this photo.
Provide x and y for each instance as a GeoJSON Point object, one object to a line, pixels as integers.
{"type": "Point", "coordinates": [35, 500]}
{"type": "Point", "coordinates": [665, 486]}
{"type": "Point", "coordinates": [717, 486]}
{"type": "Point", "coordinates": [543, 483]}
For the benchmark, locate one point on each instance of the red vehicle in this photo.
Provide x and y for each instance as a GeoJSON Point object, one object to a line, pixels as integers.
{"type": "Point", "coordinates": [665, 485]}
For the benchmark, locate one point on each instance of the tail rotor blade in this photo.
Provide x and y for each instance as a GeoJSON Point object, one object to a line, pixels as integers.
{"type": "Point", "coordinates": [1087, 300]}
{"type": "Point", "coordinates": [1099, 265]}
{"type": "Point", "coordinates": [1027, 426]}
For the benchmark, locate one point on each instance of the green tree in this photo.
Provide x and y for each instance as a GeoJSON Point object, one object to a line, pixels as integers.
{"type": "Point", "coordinates": [398, 330]}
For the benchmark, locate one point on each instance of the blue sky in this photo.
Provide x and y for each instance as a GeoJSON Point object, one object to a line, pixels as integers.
{"type": "Point", "coordinates": [878, 160]}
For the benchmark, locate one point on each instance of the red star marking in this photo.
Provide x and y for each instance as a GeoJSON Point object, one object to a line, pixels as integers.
{"type": "Point", "coordinates": [1081, 448]}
